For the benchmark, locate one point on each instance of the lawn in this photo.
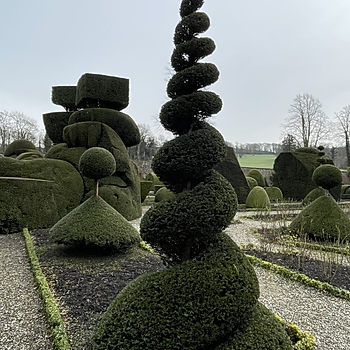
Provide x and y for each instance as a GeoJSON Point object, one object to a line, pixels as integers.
{"type": "Point", "coordinates": [257, 161]}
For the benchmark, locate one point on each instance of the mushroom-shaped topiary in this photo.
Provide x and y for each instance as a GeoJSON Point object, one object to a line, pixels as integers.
{"type": "Point", "coordinates": [95, 222]}
{"type": "Point", "coordinates": [258, 199]}
{"type": "Point", "coordinates": [96, 163]}
{"type": "Point", "coordinates": [327, 176]}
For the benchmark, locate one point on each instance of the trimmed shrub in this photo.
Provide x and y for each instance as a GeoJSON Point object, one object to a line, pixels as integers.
{"type": "Point", "coordinates": [232, 171]}
{"type": "Point", "coordinates": [345, 192]}
{"type": "Point", "coordinates": [258, 199]}
{"type": "Point", "coordinates": [312, 195]}
{"type": "Point", "coordinates": [30, 155]}
{"type": "Point", "coordinates": [256, 174]}
{"type": "Point", "coordinates": [64, 96]}
{"type": "Point", "coordinates": [274, 193]}
{"type": "Point", "coordinates": [120, 122]}
{"type": "Point", "coordinates": [327, 176]}
{"type": "Point", "coordinates": [54, 123]}
{"type": "Point", "coordinates": [97, 90]}
{"type": "Point", "coordinates": [251, 182]}
{"type": "Point", "coordinates": [155, 180]}
{"type": "Point", "coordinates": [163, 194]}
{"type": "Point", "coordinates": [95, 223]}
{"type": "Point", "coordinates": [322, 219]}
{"type": "Point", "coordinates": [145, 188]}
{"type": "Point", "coordinates": [17, 147]}
{"type": "Point", "coordinates": [185, 318]}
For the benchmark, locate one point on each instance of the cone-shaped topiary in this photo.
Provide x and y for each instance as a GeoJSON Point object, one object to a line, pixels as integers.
{"type": "Point", "coordinates": [209, 290]}
{"type": "Point", "coordinates": [95, 222]}
{"type": "Point", "coordinates": [323, 219]}
{"type": "Point", "coordinates": [258, 198]}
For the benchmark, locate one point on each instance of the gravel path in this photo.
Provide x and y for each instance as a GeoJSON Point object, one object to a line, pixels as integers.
{"type": "Point", "coordinates": [22, 320]}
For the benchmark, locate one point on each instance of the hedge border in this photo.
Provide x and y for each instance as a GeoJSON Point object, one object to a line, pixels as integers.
{"type": "Point", "coordinates": [56, 325]}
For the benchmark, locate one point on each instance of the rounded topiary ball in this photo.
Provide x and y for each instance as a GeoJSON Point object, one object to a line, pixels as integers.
{"type": "Point", "coordinates": [327, 176]}
{"type": "Point", "coordinates": [96, 163]}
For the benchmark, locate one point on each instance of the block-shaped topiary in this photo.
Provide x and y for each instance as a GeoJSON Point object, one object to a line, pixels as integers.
{"type": "Point", "coordinates": [258, 199]}
{"type": "Point", "coordinates": [145, 188]}
{"type": "Point", "coordinates": [64, 96]}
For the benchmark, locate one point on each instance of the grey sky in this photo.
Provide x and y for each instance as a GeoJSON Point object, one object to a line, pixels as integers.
{"type": "Point", "coordinates": [268, 51]}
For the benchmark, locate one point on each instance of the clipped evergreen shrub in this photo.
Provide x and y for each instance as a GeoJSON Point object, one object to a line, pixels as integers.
{"type": "Point", "coordinates": [256, 174]}
{"type": "Point", "coordinates": [258, 199]}
{"type": "Point", "coordinates": [64, 96]}
{"type": "Point", "coordinates": [155, 180]}
{"type": "Point", "coordinates": [30, 155]}
{"type": "Point", "coordinates": [163, 194]}
{"type": "Point", "coordinates": [345, 192]}
{"type": "Point", "coordinates": [274, 193]}
{"type": "Point", "coordinates": [232, 171]}
{"type": "Point", "coordinates": [322, 219]}
{"type": "Point", "coordinates": [104, 91]}
{"type": "Point", "coordinates": [145, 188]}
{"type": "Point", "coordinates": [312, 195]}
{"type": "Point", "coordinates": [15, 148]}
{"type": "Point", "coordinates": [54, 123]}
{"type": "Point", "coordinates": [327, 176]}
{"type": "Point", "coordinates": [251, 182]}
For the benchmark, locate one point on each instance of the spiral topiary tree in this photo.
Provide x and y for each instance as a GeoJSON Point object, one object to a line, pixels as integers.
{"type": "Point", "coordinates": [210, 290]}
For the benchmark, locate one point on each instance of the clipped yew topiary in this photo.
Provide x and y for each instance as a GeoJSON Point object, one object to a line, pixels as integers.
{"type": "Point", "coordinates": [251, 182]}
{"type": "Point", "coordinates": [256, 174]}
{"type": "Point", "coordinates": [327, 176]}
{"type": "Point", "coordinates": [274, 193]}
{"type": "Point", "coordinates": [258, 199]}
{"type": "Point", "coordinates": [163, 194]}
{"type": "Point", "coordinates": [94, 222]}
{"type": "Point", "coordinates": [312, 195]}
{"type": "Point", "coordinates": [209, 291]}
{"type": "Point", "coordinates": [17, 147]}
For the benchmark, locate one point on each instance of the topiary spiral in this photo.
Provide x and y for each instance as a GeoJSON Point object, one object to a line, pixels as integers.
{"type": "Point", "coordinates": [209, 290]}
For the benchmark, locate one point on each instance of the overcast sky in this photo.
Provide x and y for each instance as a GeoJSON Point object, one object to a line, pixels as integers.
{"type": "Point", "coordinates": [268, 51]}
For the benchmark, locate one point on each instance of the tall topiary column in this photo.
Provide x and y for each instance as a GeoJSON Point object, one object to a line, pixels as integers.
{"type": "Point", "coordinates": [208, 296]}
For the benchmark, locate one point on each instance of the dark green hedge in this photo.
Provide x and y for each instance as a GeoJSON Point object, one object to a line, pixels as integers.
{"type": "Point", "coordinates": [180, 114]}
{"type": "Point", "coordinates": [64, 96]}
{"type": "Point", "coordinates": [327, 176]}
{"type": "Point", "coordinates": [54, 123]}
{"type": "Point", "coordinates": [181, 227]}
{"type": "Point", "coordinates": [17, 147]}
{"type": "Point", "coordinates": [190, 26]}
{"type": "Point", "coordinates": [189, 306]}
{"type": "Point", "coordinates": [189, 6]}
{"type": "Point", "coordinates": [191, 79]}
{"type": "Point", "coordinates": [188, 53]}
{"type": "Point", "coordinates": [120, 122]}
{"type": "Point", "coordinates": [96, 90]}
{"type": "Point", "coordinates": [189, 156]}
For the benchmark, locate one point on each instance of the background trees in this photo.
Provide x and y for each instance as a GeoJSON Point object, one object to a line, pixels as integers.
{"type": "Point", "coordinates": [342, 129]}
{"type": "Point", "coordinates": [14, 126]}
{"type": "Point", "coordinates": [307, 121]}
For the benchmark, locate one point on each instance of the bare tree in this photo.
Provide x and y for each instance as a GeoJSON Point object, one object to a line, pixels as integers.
{"type": "Point", "coordinates": [342, 129]}
{"type": "Point", "coordinates": [16, 126]}
{"type": "Point", "coordinates": [307, 121]}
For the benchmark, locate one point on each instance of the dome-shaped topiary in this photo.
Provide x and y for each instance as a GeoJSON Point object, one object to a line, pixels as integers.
{"type": "Point", "coordinates": [256, 174]}
{"type": "Point", "coordinates": [327, 176]}
{"type": "Point", "coordinates": [17, 147]}
{"type": "Point", "coordinates": [163, 194]}
{"type": "Point", "coordinates": [258, 199]}
{"type": "Point", "coordinates": [96, 163]}
{"type": "Point", "coordinates": [312, 195]}
{"type": "Point", "coordinates": [251, 182]}
{"type": "Point", "coordinates": [274, 193]}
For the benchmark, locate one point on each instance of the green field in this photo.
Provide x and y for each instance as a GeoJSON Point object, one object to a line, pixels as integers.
{"type": "Point", "coordinates": [257, 161]}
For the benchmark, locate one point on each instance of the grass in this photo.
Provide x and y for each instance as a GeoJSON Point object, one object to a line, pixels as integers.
{"type": "Point", "coordinates": [257, 161]}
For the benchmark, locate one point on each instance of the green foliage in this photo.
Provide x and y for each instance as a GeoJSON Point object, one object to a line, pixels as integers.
{"type": "Point", "coordinates": [95, 223]}
{"type": "Point", "coordinates": [258, 198]}
{"type": "Point", "coordinates": [192, 79]}
{"type": "Point", "coordinates": [120, 122]}
{"type": "Point", "coordinates": [323, 219]}
{"type": "Point", "coordinates": [178, 115]}
{"type": "Point", "coordinates": [188, 157]}
{"type": "Point", "coordinates": [312, 195]}
{"type": "Point", "coordinates": [256, 174]}
{"type": "Point", "coordinates": [97, 90]}
{"type": "Point", "coordinates": [163, 194]}
{"type": "Point", "coordinates": [54, 123]}
{"type": "Point", "coordinates": [17, 147]}
{"type": "Point", "coordinates": [274, 193]}
{"type": "Point", "coordinates": [264, 332]}
{"type": "Point", "coordinates": [145, 188]}
{"type": "Point", "coordinates": [64, 96]}
{"type": "Point", "coordinates": [30, 155]}
{"type": "Point", "coordinates": [197, 216]}
{"type": "Point", "coordinates": [251, 182]}
{"type": "Point", "coordinates": [189, 6]}
{"type": "Point", "coordinates": [233, 173]}
{"type": "Point", "coordinates": [190, 26]}
{"type": "Point", "coordinates": [168, 309]}
{"type": "Point", "coordinates": [327, 176]}
{"type": "Point", "coordinates": [96, 163]}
